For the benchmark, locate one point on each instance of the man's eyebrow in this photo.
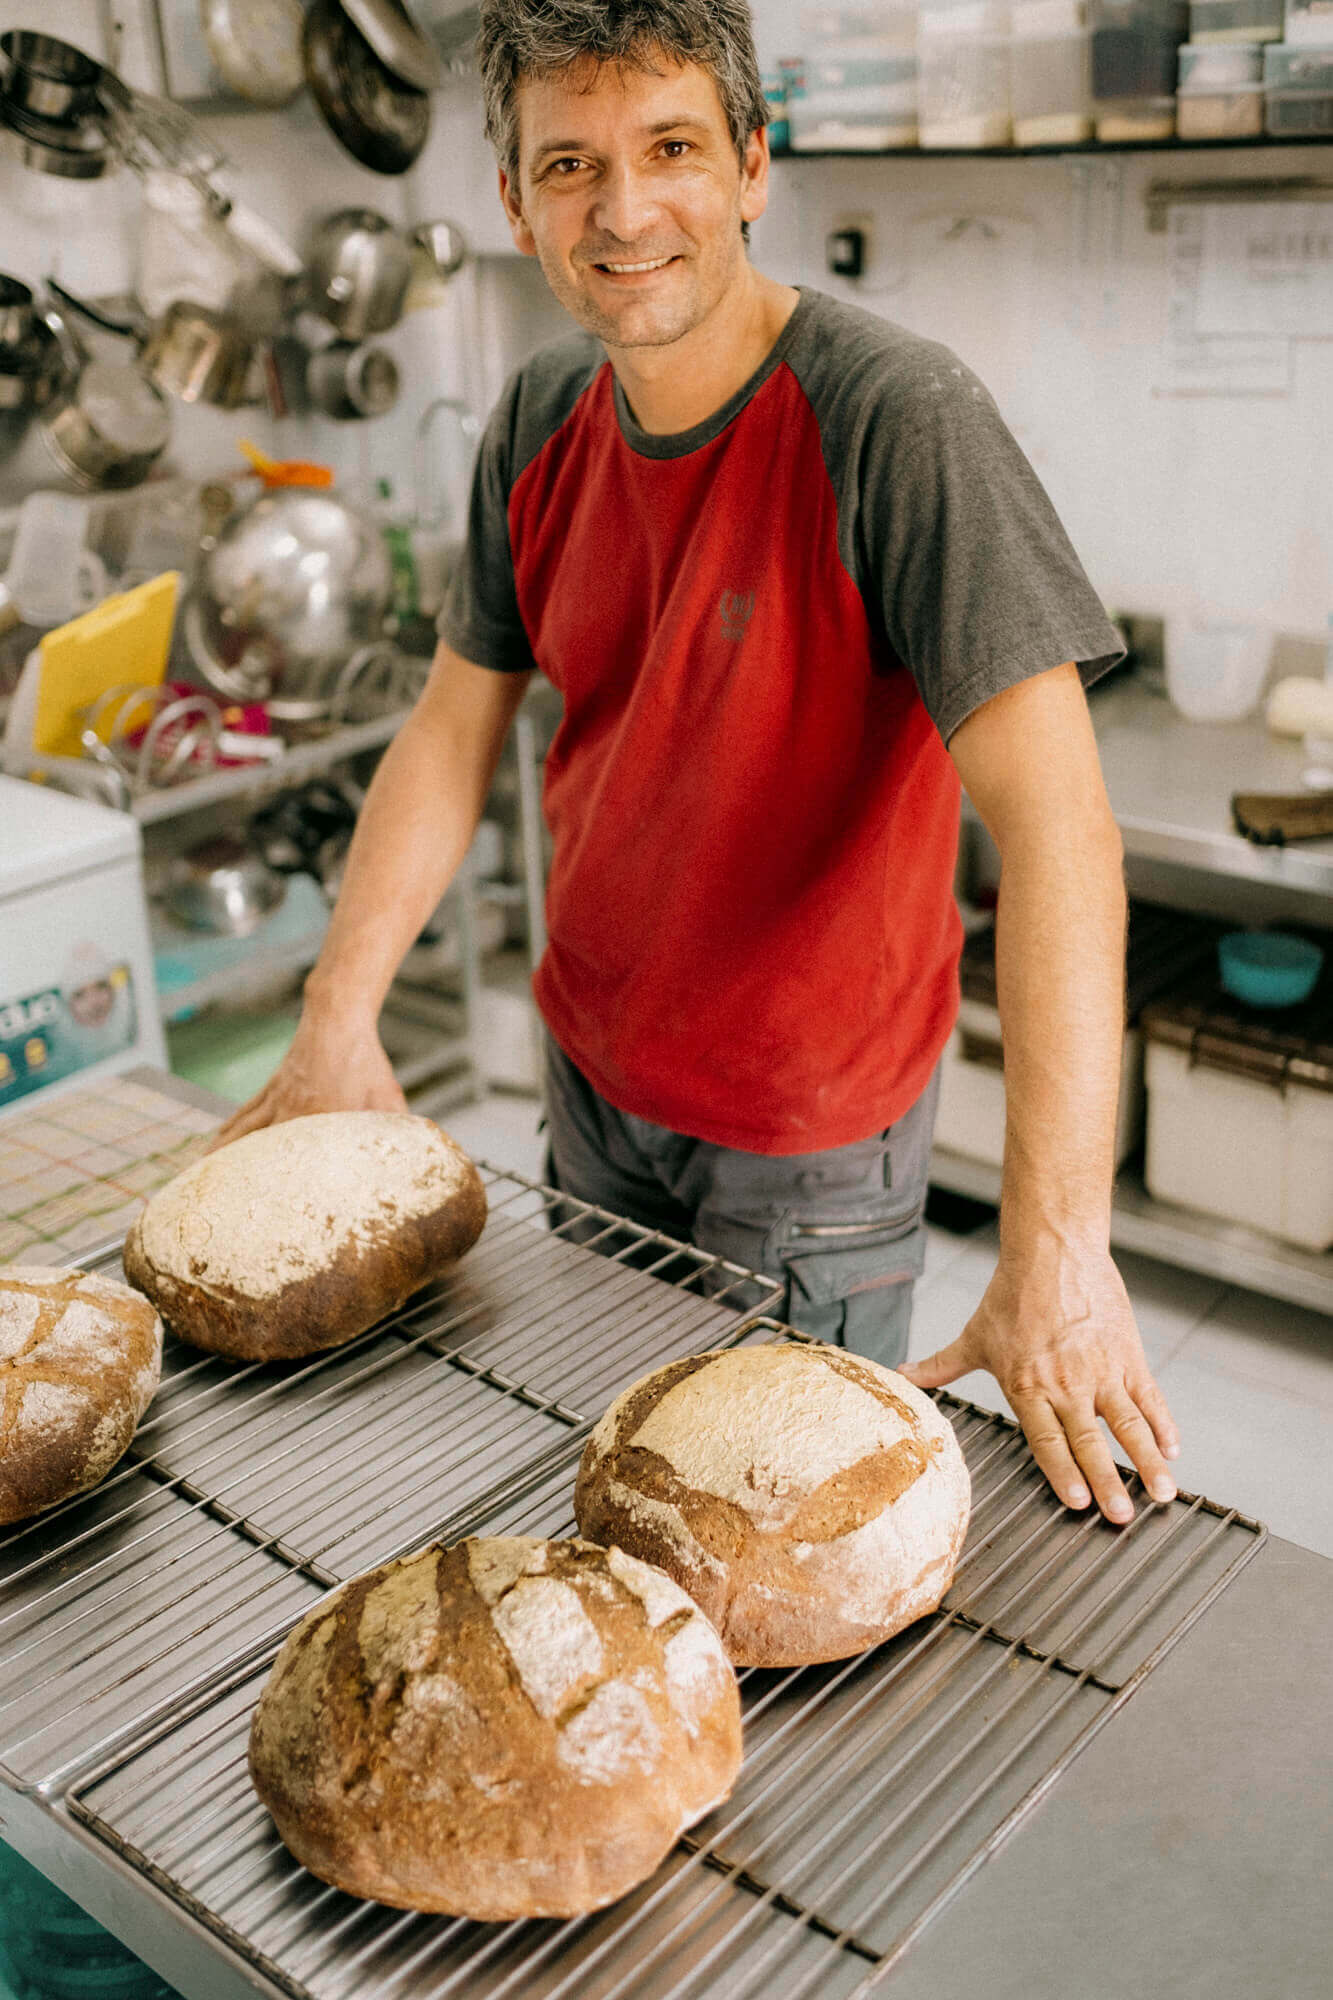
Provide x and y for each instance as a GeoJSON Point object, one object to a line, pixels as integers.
{"type": "Point", "coordinates": [654, 131]}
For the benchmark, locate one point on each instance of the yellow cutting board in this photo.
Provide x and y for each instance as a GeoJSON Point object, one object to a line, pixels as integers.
{"type": "Point", "coordinates": [122, 642]}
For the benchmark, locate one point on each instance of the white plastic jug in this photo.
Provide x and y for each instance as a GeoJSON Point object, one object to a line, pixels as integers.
{"type": "Point", "coordinates": [1215, 668]}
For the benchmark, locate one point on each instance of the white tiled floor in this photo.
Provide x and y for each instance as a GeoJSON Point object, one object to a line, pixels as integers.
{"type": "Point", "coordinates": [1249, 1380]}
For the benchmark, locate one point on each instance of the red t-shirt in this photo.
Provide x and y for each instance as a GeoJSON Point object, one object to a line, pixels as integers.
{"type": "Point", "coordinates": [764, 630]}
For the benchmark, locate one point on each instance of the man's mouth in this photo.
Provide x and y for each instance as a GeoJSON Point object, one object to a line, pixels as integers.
{"type": "Point", "coordinates": [627, 270]}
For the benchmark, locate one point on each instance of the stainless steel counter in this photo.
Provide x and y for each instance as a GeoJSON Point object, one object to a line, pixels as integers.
{"type": "Point", "coordinates": [1170, 784]}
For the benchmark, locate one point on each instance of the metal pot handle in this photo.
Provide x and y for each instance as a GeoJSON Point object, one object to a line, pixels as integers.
{"type": "Point", "coordinates": [72, 350]}
{"type": "Point", "coordinates": [135, 328]}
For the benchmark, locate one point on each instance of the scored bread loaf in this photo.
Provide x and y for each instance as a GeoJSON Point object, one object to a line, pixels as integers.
{"type": "Point", "coordinates": [505, 1728]}
{"type": "Point", "coordinates": [301, 1235]}
{"type": "Point", "coordinates": [80, 1359]}
{"type": "Point", "coordinates": [811, 1501]}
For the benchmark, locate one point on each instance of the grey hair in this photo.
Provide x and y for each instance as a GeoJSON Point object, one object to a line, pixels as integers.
{"type": "Point", "coordinates": [519, 39]}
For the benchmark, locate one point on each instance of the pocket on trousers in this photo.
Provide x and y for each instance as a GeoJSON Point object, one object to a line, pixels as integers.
{"type": "Point", "coordinates": [850, 1267]}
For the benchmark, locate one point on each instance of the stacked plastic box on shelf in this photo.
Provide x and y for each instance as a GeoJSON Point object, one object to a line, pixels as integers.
{"type": "Point", "coordinates": [1050, 81]}
{"type": "Point", "coordinates": [1298, 91]}
{"type": "Point", "coordinates": [1220, 93]}
{"type": "Point", "coordinates": [855, 87]}
{"type": "Point", "coordinates": [963, 53]}
{"type": "Point", "coordinates": [1134, 64]}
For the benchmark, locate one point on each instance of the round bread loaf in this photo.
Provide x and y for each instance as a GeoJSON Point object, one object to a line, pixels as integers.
{"type": "Point", "coordinates": [80, 1358]}
{"type": "Point", "coordinates": [301, 1235]}
{"type": "Point", "coordinates": [506, 1728]}
{"type": "Point", "coordinates": [810, 1501]}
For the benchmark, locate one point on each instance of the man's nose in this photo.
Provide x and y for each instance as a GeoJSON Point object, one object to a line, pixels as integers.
{"type": "Point", "coordinates": [626, 205]}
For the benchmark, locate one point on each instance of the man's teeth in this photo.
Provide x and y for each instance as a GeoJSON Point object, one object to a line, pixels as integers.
{"type": "Point", "coordinates": [655, 265]}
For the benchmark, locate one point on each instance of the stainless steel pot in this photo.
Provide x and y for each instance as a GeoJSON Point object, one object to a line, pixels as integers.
{"type": "Point", "coordinates": [357, 272]}
{"type": "Point", "coordinates": [107, 425]}
{"type": "Point", "coordinates": [50, 79]}
{"type": "Point", "coordinates": [291, 587]}
{"type": "Point", "coordinates": [198, 355]}
{"type": "Point", "coordinates": [345, 380]}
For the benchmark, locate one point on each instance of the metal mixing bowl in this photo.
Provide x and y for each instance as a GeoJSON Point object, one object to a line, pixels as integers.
{"type": "Point", "coordinates": [222, 886]}
{"type": "Point", "coordinates": [293, 586]}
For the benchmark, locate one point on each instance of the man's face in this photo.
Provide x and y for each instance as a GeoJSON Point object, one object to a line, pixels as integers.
{"type": "Point", "coordinates": [631, 196]}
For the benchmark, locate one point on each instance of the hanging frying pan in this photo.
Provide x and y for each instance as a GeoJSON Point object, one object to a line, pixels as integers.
{"type": "Point", "coordinates": [382, 121]}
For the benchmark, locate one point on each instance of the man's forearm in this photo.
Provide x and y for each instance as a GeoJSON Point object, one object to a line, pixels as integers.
{"type": "Point", "coordinates": [1060, 953]}
{"type": "Point", "coordinates": [414, 828]}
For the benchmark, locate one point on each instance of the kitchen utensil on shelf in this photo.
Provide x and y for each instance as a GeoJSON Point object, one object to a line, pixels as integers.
{"type": "Point", "coordinates": [223, 886]}
{"type": "Point", "coordinates": [305, 831]}
{"type": "Point", "coordinates": [52, 577]}
{"type": "Point", "coordinates": [357, 271]}
{"type": "Point", "coordinates": [125, 639]}
{"type": "Point", "coordinates": [30, 362]}
{"type": "Point", "coordinates": [400, 46]}
{"type": "Point", "coordinates": [255, 46]}
{"type": "Point", "coordinates": [1268, 968]}
{"type": "Point", "coordinates": [382, 121]}
{"type": "Point", "coordinates": [1215, 668]}
{"type": "Point", "coordinates": [73, 150]}
{"type": "Point", "coordinates": [294, 583]}
{"type": "Point", "coordinates": [346, 380]}
{"type": "Point", "coordinates": [49, 78]}
{"type": "Point", "coordinates": [443, 242]}
{"type": "Point", "coordinates": [107, 424]}
{"type": "Point", "coordinates": [193, 352]}
{"type": "Point", "coordinates": [1271, 819]}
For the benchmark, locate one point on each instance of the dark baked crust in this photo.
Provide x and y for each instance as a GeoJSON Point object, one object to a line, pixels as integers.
{"type": "Point", "coordinates": [777, 1597]}
{"type": "Point", "coordinates": [428, 1780]}
{"type": "Point", "coordinates": [327, 1309]}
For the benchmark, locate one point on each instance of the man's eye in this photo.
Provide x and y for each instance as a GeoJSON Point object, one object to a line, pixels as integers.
{"type": "Point", "coordinates": [676, 149]}
{"type": "Point", "coordinates": [563, 168]}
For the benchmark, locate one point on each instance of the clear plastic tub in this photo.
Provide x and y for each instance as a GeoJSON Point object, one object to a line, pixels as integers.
{"type": "Point", "coordinates": [1216, 668]}
{"type": "Point", "coordinates": [1129, 118]}
{"type": "Point", "coordinates": [1228, 66]}
{"type": "Point", "coordinates": [1050, 88]}
{"type": "Point", "coordinates": [1308, 24]}
{"type": "Point", "coordinates": [963, 84]}
{"type": "Point", "coordinates": [1235, 21]}
{"type": "Point", "coordinates": [1208, 113]}
{"type": "Point", "coordinates": [1298, 91]}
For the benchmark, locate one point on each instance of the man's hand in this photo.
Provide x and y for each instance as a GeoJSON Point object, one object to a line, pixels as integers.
{"type": "Point", "coordinates": [329, 1067]}
{"type": "Point", "coordinates": [1059, 1336]}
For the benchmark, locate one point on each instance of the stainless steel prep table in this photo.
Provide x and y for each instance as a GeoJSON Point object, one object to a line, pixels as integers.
{"type": "Point", "coordinates": [1182, 1846]}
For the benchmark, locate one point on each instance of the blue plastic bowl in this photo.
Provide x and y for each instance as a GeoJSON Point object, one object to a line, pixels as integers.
{"type": "Point", "coordinates": [1268, 968]}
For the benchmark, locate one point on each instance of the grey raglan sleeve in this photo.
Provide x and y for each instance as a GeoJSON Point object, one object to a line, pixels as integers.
{"type": "Point", "coordinates": [480, 616]}
{"type": "Point", "coordinates": [962, 555]}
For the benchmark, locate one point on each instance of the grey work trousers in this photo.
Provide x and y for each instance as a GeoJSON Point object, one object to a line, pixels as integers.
{"type": "Point", "coordinates": [842, 1229]}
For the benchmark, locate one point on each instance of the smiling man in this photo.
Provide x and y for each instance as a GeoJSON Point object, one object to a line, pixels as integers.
{"type": "Point", "coordinates": [794, 580]}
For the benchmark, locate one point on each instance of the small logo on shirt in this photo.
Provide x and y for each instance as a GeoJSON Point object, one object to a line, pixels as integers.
{"type": "Point", "coordinates": [734, 609]}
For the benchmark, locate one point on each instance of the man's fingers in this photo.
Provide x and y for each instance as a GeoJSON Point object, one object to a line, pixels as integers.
{"type": "Point", "coordinates": [1153, 1405]}
{"type": "Point", "coordinates": [1050, 1447]}
{"type": "Point", "coordinates": [248, 1119]}
{"type": "Point", "coordinates": [946, 1365]}
{"type": "Point", "coordinates": [1087, 1441]}
{"type": "Point", "coordinates": [1134, 1434]}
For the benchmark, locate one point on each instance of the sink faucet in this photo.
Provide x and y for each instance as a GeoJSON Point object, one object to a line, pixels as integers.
{"type": "Point", "coordinates": [468, 429]}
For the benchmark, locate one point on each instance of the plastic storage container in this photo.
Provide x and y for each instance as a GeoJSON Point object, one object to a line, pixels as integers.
{"type": "Point", "coordinates": [1163, 946]}
{"type": "Point", "coordinates": [1134, 67]}
{"type": "Point", "coordinates": [1240, 1110]}
{"type": "Point", "coordinates": [1220, 94]}
{"type": "Point", "coordinates": [1298, 91]}
{"type": "Point", "coordinates": [1216, 669]}
{"type": "Point", "coordinates": [857, 89]}
{"type": "Point", "coordinates": [1308, 24]}
{"type": "Point", "coordinates": [1235, 21]}
{"type": "Point", "coordinates": [963, 51]}
{"type": "Point", "coordinates": [1050, 80]}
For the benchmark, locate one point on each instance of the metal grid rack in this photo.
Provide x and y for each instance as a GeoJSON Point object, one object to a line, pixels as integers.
{"type": "Point", "coordinates": [250, 1489]}
{"type": "Point", "coordinates": [872, 1789]}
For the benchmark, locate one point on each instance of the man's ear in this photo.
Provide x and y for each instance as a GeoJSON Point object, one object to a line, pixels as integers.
{"type": "Point", "coordinates": [518, 228]}
{"type": "Point", "coordinates": [754, 175]}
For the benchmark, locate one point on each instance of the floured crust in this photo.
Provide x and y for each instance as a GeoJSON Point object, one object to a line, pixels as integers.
{"type": "Point", "coordinates": [506, 1728]}
{"type": "Point", "coordinates": [80, 1360]}
{"type": "Point", "coordinates": [812, 1502]}
{"type": "Point", "coordinates": [299, 1236]}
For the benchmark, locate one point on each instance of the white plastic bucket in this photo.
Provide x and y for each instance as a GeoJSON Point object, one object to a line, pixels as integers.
{"type": "Point", "coordinates": [1215, 668]}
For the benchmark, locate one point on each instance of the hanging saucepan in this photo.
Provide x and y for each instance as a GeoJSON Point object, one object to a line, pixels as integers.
{"type": "Point", "coordinates": [30, 362]}
{"type": "Point", "coordinates": [382, 121]}
{"type": "Point", "coordinates": [47, 78]}
{"type": "Point", "coordinates": [357, 271]}
{"type": "Point", "coordinates": [108, 424]}
{"type": "Point", "coordinates": [345, 380]}
{"type": "Point", "coordinates": [196, 354]}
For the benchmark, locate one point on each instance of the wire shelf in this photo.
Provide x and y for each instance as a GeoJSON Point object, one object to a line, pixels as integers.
{"type": "Point", "coordinates": [250, 1489]}
{"type": "Point", "coordinates": [872, 1789]}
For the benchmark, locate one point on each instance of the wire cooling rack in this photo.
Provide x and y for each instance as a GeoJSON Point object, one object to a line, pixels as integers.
{"type": "Point", "coordinates": [872, 1789]}
{"type": "Point", "coordinates": [252, 1488]}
